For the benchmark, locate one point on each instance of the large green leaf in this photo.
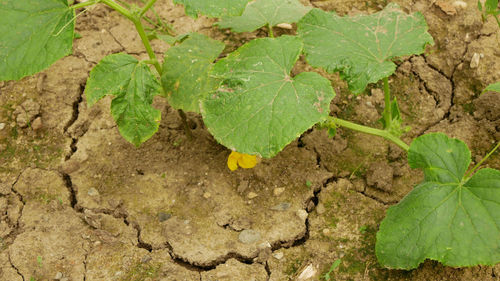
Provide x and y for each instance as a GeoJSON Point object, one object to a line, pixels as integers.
{"type": "Point", "coordinates": [259, 108]}
{"type": "Point", "coordinates": [265, 12]}
{"type": "Point", "coordinates": [134, 86]}
{"type": "Point", "coordinates": [33, 35]}
{"type": "Point", "coordinates": [449, 217]}
{"type": "Point", "coordinates": [213, 8]}
{"type": "Point", "coordinates": [185, 71]}
{"type": "Point", "coordinates": [361, 47]}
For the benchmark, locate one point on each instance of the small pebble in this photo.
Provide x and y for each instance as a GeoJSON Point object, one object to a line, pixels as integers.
{"type": "Point", "coordinates": [252, 195]}
{"type": "Point", "coordinates": [474, 62]}
{"type": "Point", "coordinates": [308, 273]}
{"type": "Point", "coordinates": [93, 192]}
{"type": "Point", "coordinates": [264, 245]}
{"type": "Point", "coordinates": [2, 126]}
{"type": "Point", "coordinates": [278, 191]}
{"type": "Point", "coordinates": [249, 236]}
{"type": "Point", "coordinates": [302, 214]}
{"type": "Point", "coordinates": [207, 195]}
{"type": "Point", "coordinates": [326, 231]}
{"type": "Point", "coordinates": [278, 255]}
{"type": "Point", "coordinates": [459, 4]}
{"type": "Point", "coordinates": [282, 206]}
{"type": "Point", "coordinates": [285, 25]}
{"type": "Point", "coordinates": [58, 276]}
{"type": "Point", "coordinates": [162, 216]}
{"type": "Point", "coordinates": [37, 124]}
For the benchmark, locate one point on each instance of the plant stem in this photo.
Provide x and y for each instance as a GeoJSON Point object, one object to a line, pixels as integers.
{"type": "Point", "coordinates": [147, 45]}
{"type": "Point", "coordinates": [388, 106]}
{"type": "Point", "coordinates": [147, 7]}
{"type": "Point", "coordinates": [482, 161]}
{"type": "Point", "coordinates": [372, 131]}
{"type": "Point", "coordinates": [117, 7]}
{"type": "Point", "coordinates": [498, 21]}
{"type": "Point", "coordinates": [270, 28]}
{"type": "Point", "coordinates": [185, 124]}
{"type": "Point", "coordinates": [83, 4]}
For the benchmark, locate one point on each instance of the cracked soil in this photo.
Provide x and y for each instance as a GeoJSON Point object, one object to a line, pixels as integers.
{"type": "Point", "coordinates": [77, 202]}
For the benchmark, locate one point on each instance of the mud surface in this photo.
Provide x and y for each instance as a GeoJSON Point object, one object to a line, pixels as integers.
{"type": "Point", "coordinates": [77, 202]}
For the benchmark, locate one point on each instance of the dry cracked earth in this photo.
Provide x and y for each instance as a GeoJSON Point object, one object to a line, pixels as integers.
{"type": "Point", "coordinates": [77, 202]}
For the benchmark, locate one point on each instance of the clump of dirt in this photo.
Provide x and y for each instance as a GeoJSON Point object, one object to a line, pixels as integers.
{"type": "Point", "coordinates": [77, 202]}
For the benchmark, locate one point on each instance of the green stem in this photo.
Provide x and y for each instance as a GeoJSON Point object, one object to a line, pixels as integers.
{"type": "Point", "coordinates": [498, 21]}
{"type": "Point", "coordinates": [84, 4]}
{"type": "Point", "coordinates": [372, 131]}
{"type": "Point", "coordinates": [482, 161]}
{"type": "Point", "coordinates": [147, 45]}
{"type": "Point", "coordinates": [147, 7]}
{"type": "Point", "coordinates": [120, 9]}
{"type": "Point", "coordinates": [270, 28]}
{"type": "Point", "coordinates": [388, 106]}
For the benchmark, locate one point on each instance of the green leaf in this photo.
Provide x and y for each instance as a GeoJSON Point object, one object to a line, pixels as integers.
{"type": "Point", "coordinates": [265, 12]}
{"type": "Point", "coordinates": [491, 6]}
{"type": "Point", "coordinates": [134, 86]}
{"type": "Point", "coordinates": [361, 47]}
{"type": "Point", "coordinates": [259, 108]}
{"type": "Point", "coordinates": [495, 87]}
{"type": "Point", "coordinates": [213, 8]}
{"type": "Point", "coordinates": [443, 159]}
{"type": "Point", "coordinates": [33, 35]}
{"type": "Point", "coordinates": [448, 217]}
{"type": "Point", "coordinates": [185, 77]}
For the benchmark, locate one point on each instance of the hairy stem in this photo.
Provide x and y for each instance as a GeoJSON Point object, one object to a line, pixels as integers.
{"type": "Point", "coordinates": [372, 131]}
{"type": "Point", "coordinates": [388, 107]}
{"type": "Point", "coordinates": [482, 161]}
{"type": "Point", "coordinates": [147, 7]}
{"type": "Point", "coordinates": [147, 45]}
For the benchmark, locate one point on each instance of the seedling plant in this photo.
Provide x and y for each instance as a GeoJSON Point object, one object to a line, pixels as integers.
{"type": "Point", "coordinates": [252, 104]}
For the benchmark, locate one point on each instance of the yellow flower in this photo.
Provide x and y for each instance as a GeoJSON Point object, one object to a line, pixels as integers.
{"type": "Point", "coordinates": [243, 160]}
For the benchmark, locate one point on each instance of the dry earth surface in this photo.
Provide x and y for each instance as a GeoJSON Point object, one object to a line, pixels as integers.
{"type": "Point", "coordinates": [77, 202]}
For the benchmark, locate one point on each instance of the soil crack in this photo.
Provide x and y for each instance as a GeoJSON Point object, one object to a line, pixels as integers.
{"type": "Point", "coordinates": [14, 267]}
{"type": "Point", "coordinates": [74, 117]}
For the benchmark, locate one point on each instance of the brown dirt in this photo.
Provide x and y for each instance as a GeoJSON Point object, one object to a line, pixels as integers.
{"type": "Point", "coordinates": [79, 202]}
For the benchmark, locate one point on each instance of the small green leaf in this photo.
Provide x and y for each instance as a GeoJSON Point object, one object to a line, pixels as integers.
{"type": "Point", "coordinates": [448, 217]}
{"type": "Point", "coordinates": [495, 87]}
{"type": "Point", "coordinates": [361, 47]}
{"type": "Point", "coordinates": [185, 77]}
{"type": "Point", "coordinates": [259, 13]}
{"type": "Point", "coordinates": [134, 86]}
{"type": "Point", "coordinates": [213, 8]}
{"type": "Point", "coordinates": [259, 108]}
{"type": "Point", "coordinates": [334, 265]}
{"type": "Point", "coordinates": [491, 6]}
{"type": "Point", "coordinates": [33, 35]}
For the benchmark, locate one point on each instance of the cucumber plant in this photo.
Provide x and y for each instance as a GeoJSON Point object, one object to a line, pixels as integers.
{"type": "Point", "coordinates": [252, 104]}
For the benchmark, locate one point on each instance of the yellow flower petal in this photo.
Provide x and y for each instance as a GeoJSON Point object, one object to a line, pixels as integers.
{"type": "Point", "coordinates": [247, 161]}
{"type": "Point", "coordinates": [232, 160]}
